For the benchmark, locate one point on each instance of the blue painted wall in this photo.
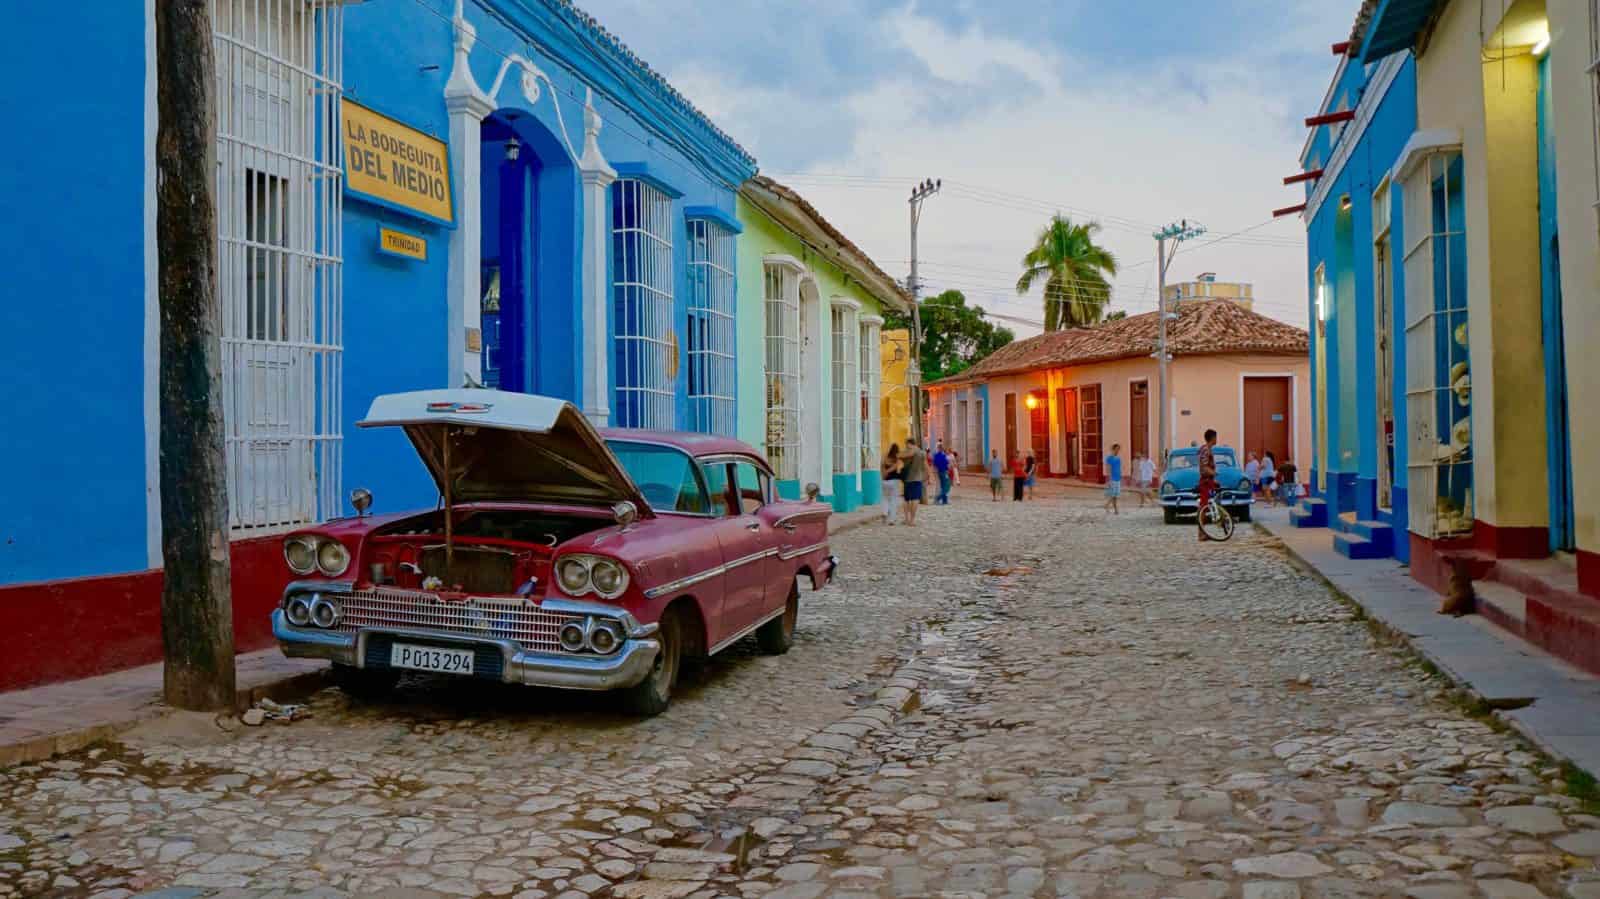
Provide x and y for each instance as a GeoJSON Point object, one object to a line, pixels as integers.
{"type": "Point", "coordinates": [73, 334]}
{"type": "Point", "coordinates": [72, 324]}
{"type": "Point", "coordinates": [1343, 242]}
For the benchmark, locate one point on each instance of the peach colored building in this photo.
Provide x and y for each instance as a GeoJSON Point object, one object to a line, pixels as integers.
{"type": "Point", "coordinates": [1067, 396]}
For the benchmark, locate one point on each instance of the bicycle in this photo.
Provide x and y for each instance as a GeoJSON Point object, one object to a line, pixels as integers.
{"type": "Point", "coordinates": [1214, 520]}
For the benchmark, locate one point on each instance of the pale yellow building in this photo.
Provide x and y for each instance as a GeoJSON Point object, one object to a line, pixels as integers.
{"type": "Point", "coordinates": [1206, 287]}
{"type": "Point", "coordinates": [895, 398]}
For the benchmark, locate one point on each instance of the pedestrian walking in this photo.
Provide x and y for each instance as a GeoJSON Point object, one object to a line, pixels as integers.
{"type": "Point", "coordinates": [1146, 473]}
{"type": "Point", "coordinates": [941, 467]}
{"type": "Point", "coordinates": [1252, 472]}
{"type": "Point", "coordinates": [1019, 477]}
{"type": "Point", "coordinates": [1032, 466]}
{"type": "Point", "coordinates": [955, 469]}
{"type": "Point", "coordinates": [914, 465]}
{"type": "Point", "coordinates": [1269, 478]}
{"type": "Point", "coordinates": [893, 485]}
{"type": "Point", "coordinates": [997, 475]}
{"type": "Point", "coordinates": [1114, 479]}
{"type": "Point", "coordinates": [1290, 490]}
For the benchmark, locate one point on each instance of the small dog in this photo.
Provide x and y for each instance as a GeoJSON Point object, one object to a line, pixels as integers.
{"type": "Point", "coordinates": [1458, 598]}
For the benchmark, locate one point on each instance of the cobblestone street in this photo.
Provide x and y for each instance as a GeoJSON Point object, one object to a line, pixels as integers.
{"type": "Point", "coordinates": [1009, 700]}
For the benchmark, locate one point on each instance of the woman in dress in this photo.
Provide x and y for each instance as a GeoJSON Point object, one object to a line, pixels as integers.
{"type": "Point", "coordinates": [893, 484]}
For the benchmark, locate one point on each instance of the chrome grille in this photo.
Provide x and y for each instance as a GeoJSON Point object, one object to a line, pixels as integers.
{"type": "Point", "coordinates": [490, 619]}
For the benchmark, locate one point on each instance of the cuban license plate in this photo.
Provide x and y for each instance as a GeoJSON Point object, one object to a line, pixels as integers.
{"type": "Point", "coordinates": [431, 658]}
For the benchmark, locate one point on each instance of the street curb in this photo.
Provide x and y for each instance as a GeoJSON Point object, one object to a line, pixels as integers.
{"type": "Point", "coordinates": [1399, 637]}
{"type": "Point", "coordinates": [288, 686]}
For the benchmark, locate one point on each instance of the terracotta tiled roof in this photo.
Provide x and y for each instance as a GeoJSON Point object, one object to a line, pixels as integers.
{"type": "Point", "coordinates": [789, 194]}
{"type": "Point", "coordinates": [1203, 327]}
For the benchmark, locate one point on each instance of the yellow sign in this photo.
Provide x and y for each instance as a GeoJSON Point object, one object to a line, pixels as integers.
{"type": "Point", "coordinates": [395, 165]}
{"type": "Point", "coordinates": [399, 243]}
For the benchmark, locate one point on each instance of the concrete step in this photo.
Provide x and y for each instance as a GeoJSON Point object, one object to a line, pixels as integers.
{"type": "Point", "coordinates": [1309, 513]}
{"type": "Point", "coordinates": [1538, 577]}
{"type": "Point", "coordinates": [1352, 547]}
{"type": "Point", "coordinates": [1503, 606]}
{"type": "Point", "coordinates": [1563, 625]}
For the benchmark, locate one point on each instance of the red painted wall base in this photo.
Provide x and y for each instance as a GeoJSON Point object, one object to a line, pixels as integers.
{"type": "Point", "coordinates": [62, 630]}
{"type": "Point", "coordinates": [1589, 573]}
{"type": "Point", "coordinates": [1511, 543]}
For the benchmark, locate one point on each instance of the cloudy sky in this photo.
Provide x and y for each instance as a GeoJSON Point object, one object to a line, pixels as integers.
{"type": "Point", "coordinates": [1132, 112]}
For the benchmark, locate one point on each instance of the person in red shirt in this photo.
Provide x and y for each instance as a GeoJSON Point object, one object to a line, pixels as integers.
{"type": "Point", "coordinates": [1207, 464]}
{"type": "Point", "coordinates": [1019, 476]}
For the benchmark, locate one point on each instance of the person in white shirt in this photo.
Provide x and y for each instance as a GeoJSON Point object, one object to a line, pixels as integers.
{"type": "Point", "coordinates": [1145, 476]}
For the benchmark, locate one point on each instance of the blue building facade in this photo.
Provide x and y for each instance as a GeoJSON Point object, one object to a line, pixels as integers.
{"type": "Point", "coordinates": [411, 194]}
{"type": "Point", "coordinates": [1354, 219]}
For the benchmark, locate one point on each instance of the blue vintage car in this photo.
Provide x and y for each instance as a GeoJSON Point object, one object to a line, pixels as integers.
{"type": "Point", "coordinates": [1180, 485]}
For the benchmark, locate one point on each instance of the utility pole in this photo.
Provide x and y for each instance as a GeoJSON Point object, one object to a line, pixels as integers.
{"type": "Point", "coordinates": [196, 593]}
{"type": "Point", "coordinates": [1177, 233]}
{"type": "Point", "coordinates": [919, 193]}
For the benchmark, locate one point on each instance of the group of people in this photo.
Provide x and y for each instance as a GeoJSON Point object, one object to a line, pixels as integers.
{"type": "Point", "coordinates": [905, 473]}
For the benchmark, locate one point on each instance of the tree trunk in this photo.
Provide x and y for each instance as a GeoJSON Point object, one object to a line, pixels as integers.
{"type": "Point", "coordinates": [196, 598]}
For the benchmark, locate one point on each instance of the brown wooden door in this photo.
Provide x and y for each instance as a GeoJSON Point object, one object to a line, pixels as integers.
{"type": "Point", "coordinates": [1139, 419]}
{"type": "Point", "coordinates": [1067, 410]}
{"type": "Point", "coordinates": [1091, 419]}
{"type": "Point", "coordinates": [1011, 427]}
{"type": "Point", "coordinates": [1266, 418]}
{"type": "Point", "coordinates": [1039, 430]}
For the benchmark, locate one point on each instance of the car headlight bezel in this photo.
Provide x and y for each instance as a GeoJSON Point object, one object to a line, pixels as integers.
{"type": "Point", "coordinates": [305, 544]}
{"type": "Point", "coordinates": [580, 574]}
{"type": "Point", "coordinates": [333, 559]}
{"type": "Point", "coordinates": [1169, 489]}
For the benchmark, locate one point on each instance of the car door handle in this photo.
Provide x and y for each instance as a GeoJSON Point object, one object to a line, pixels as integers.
{"type": "Point", "coordinates": [753, 526]}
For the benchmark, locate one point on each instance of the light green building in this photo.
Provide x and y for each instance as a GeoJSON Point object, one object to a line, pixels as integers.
{"type": "Point", "coordinates": [810, 315]}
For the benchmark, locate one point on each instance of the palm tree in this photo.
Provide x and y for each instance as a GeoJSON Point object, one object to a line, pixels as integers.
{"type": "Point", "coordinates": [1076, 288]}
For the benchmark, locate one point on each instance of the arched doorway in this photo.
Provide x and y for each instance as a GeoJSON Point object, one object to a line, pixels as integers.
{"type": "Point", "coordinates": [528, 282]}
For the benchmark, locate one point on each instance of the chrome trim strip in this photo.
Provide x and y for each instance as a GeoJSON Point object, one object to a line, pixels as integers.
{"type": "Point", "coordinates": [746, 632]}
{"type": "Point", "coordinates": [682, 582]}
{"type": "Point", "coordinates": [746, 560]}
{"type": "Point", "coordinates": [788, 554]}
{"type": "Point", "coordinates": [818, 513]}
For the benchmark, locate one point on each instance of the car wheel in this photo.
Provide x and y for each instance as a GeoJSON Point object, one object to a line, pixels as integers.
{"type": "Point", "coordinates": [365, 684]}
{"type": "Point", "coordinates": [776, 636]}
{"type": "Point", "coordinates": [651, 696]}
{"type": "Point", "coordinates": [1240, 513]}
{"type": "Point", "coordinates": [1169, 515]}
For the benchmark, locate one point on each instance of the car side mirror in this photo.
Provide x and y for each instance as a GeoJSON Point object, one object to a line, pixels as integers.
{"type": "Point", "coordinates": [812, 492]}
{"type": "Point", "coordinates": [625, 513]}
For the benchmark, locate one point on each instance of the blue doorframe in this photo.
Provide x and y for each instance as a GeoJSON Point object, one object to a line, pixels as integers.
{"type": "Point", "coordinates": [1558, 446]}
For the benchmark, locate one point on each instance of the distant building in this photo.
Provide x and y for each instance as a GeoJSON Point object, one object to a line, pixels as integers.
{"type": "Point", "coordinates": [1207, 287]}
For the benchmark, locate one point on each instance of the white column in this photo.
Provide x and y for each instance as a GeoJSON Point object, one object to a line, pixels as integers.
{"type": "Point", "coordinates": [595, 288]}
{"type": "Point", "coordinates": [468, 107]}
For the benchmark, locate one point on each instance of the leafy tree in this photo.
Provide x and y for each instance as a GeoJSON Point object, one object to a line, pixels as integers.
{"type": "Point", "coordinates": [1075, 270]}
{"type": "Point", "coordinates": [955, 336]}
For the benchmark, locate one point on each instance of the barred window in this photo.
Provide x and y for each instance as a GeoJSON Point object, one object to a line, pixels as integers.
{"type": "Point", "coordinates": [279, 223]}
{"type": "Point", "coordinates": [643, 343]}
{"type": "Point", "coordinates": [846, 388]}
{"type": "Point", "coordinates": [782, 290]}
{"type": "Point", "coordinates": [711, 328]}
{"type": "Point", "coordinates": [1438, 375]}
{"type": "Point", "coordinates": [871, 376]}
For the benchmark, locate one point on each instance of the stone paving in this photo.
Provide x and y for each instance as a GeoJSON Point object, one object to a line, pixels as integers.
{"type": "Point", "coordinates": [1008, 700]}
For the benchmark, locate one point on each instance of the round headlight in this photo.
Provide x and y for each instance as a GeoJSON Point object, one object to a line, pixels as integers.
{"type": "Point", "coordinates": [301, 554]}
{"type": "Point", "coordinates": [571, 636]}
{"type": "Point", "coordinates": [604, 639]}
{"type": "Point", "coordinates": [1167, 489]}
{"type": "Point", "coordinates": [298, 611]}
{"type": "Point", "coordinates": [1244, 486]}
{"type": "Point", "coordinates": [332, 558]}
{"type": "Point", "coordinates": [324, 613]}
{"type": "Point", "coordinates": [573, 575]}
{"type": "Point", "coordinates": [609, 578]}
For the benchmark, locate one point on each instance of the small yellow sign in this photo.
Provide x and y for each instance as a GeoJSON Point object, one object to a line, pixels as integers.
{"type": "Point", "coordinates": [399, 243]}
{"type": "Point", "coordinates": [396, 165]}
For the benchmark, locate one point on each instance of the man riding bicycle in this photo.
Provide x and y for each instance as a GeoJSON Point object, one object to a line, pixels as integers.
{"type": "Point", "coordinates": [1208, 480]}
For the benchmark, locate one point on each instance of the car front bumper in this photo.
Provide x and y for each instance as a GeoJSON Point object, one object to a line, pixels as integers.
{"type": "Point", "coordinates": [1190, 503]}
{"type": "Point", "coordinates": [627, 666]}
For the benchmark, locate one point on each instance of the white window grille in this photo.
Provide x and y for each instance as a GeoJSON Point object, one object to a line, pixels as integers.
{"type": "Point", "coordinates": [711, 328]}
{"type": "Point", "coordinates": [846, 389]}
{"type": "Point", "coordinates": [645, 348]}
{"type": "Point", "coordinates": [1438, 376]}
{"type": "Point", "coordinates": [782, 291]}
{"type": "Point", "coordinates": [975, 436]}
{"type": "Point", "coordinates": [871, 355]}
{"type": "Point", "coordinates": [958, 440]}
{"type": "Point", "coordinates": [279, 221]}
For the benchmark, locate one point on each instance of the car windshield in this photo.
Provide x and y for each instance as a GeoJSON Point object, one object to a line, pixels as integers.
{"type": "Point", "coordinates": [1224, 457]}
{"type": "Point", "coordinates": [1180, 463]}
{"type": "Point", "coordinates": [666, 475]}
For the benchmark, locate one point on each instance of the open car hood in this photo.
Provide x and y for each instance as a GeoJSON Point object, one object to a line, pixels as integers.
{"type": "Point", "coordinates": [507, 447]}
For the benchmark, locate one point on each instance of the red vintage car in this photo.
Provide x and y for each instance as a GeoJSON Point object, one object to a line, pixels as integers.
{"type": "Point", "coordinates": [559, 556]}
